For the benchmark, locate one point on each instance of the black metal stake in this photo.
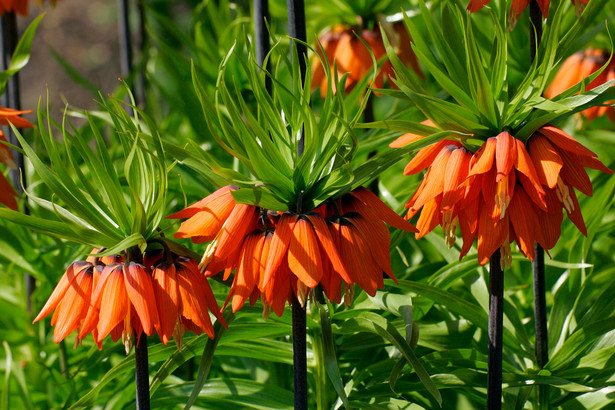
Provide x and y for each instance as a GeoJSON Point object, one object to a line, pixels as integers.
{"type": "Point", "coordinates": [11, 99]}
{"type": "Point", "coordinates": [299, 355]}
{"type": "Point", "coordinates": [496, 316]}
{"type": "Point", "coordinates": [142, 373]}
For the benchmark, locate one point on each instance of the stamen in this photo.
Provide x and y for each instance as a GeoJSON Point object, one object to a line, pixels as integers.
{"type": "Point", "coordinates": [209, 252]}
{"type": "Point", "coordinates": [127, 334]}
{"type": "Point", "coordinates": [302, 292]}
{"type": "Point", "coordinates": [348, 294]}
{"type": "Point", "coordinates": [563, 194]}
{"type": "Point", "coordinates": [266, 308]}
{"type": "Point", "coordinates": [505, 255]}
{"type": "Point", "coordinates": [502, 199]}
{"type": "Point", "coordinates": [178, 332]}
{"type": "Point", "coordinates": [449, 225]}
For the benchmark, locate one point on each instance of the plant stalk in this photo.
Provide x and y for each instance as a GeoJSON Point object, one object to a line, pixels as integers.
{"type": "Point", "coordinates": [299, 355]}
{"type": "Point", "coordinates": [541, 347]}
{"type": "Point", "coordinates": [496, 316]}
{"type": "Point", "coordinates": [296, 30]}
{"type": "Point", "coordinates": [125, 38]}
{"type": "Point", "coordinates": [535, 28]}
{"type": "Point", "coordinates": [261, 35]}
{"type": "Point", "coordinates": [142, 373]}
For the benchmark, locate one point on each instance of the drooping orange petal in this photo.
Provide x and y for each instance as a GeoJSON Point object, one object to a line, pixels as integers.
{"type": "Point", "coordinates": [190, 270]}
{"type": "Point", "coordinates": [114, 302]}
{"type": "Point", "coordinates": [7, 193]}
{"type": "Point", "coordinates": [430, 217]}
{"type": "Point", "coordinates": [544, 7]}
{"type": "Point", "coordinates": [409, 137]}
{"type": "Point", "coordinates": [140, 291]}
{"type": "Point", "coordinates": [328, 246]}
{"type": "Point", "coordinates": [434, 179]}
{"type": "Point", "coordinates": [303, 253]}
{"type": "Point", "coordinates": [73, 271]}
{"type": "Point", "coordinates": [9, 114]}
{"type": "Point", "coordinates": [468, 224]}
{"type": "Point", "coordinates": [523, 219]}
{"type": "Point", "coordinates": [561, 139]}
{"type": "Point", "coordinates": [263, 261]}
{"type": "Point", "coordinates": [90, 322]}
{"type": "Point", "coordinates": [594, 163]}
{"type": "Point", "coordinates": [567, 76]}
{"type": "Point", "coordinates": [457, 170]}
{"type": "Point", "coordinates": [192, 299]}
{"type": "Point", "coordinates": [164, 281]}
{"type": "Point", "coordinates": [242, 220]}
{"type": "Point", "coordinates": [425, 157]}
{"type": "Point", "coordinates": [475, 5]}
{"type": "Point", "coordinates": [528, 176]}
{"type": "Point", "coordinates": [279, 244]}
{"type": "Point", "coordinates": [246, 276]}
{"type": "Point", "coordinates": [546, 160]}
{"type": "Point", "coordinates": [505, 154]}
{"type": "Point", "coordinates": [575, 216]}
{"type": "Point", "coordinates": [73, 307]}
{"type": "Point", "coordinates": [354, 251]}
{"type": "Point", "coordinates": [279, 289]}
{"type": "Point", "coordinates": [213, 202]}
{"type": "Point", "coordinates": [376, 233]}
{"type": "Point", "coordinates": [549, 223]}
{"type": "Point", "coordinates": [574, 174]}
{"type": "Point", "coordinates": [483, 159]}
{"type": "Point", "coordinates": [491, 235]}
{"type": "Point", "coordinates": [373, 207]}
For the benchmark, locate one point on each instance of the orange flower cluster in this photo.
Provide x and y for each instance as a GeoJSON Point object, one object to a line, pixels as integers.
{"type": "Point", "coordinates": [18, 6]}
{"type": "Point", "coordinates": [344, 48]}
{"type": "Point", "coordinates": [518, 6]}
{"type": "Point", "coordinates": [506, 192]}
{"type": "Point", "coordinates": [278, 255]}
{"type": "Point", "coordinates": [106, 296]}
{"type": "Point", "coordinates": [7, 193]}
{"type": "Point", "coordinates": [578, 67]}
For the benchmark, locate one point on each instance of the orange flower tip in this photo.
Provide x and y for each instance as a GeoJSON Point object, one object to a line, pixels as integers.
{"type": "Point", "coordinates": [475, 5]}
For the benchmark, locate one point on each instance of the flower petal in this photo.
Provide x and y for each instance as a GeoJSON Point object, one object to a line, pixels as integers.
{"type": "Point", "coordinates": [164, 281]}
{"type": "Point", "coordinates": [303, 253]}
{"type": "Point", "coordinates": [140, 290]}
{"type": "Point", "coordinates": [546, 160]}
{"type": "Point", "coordinates": [374, 208]}
{"type": "Point", "coordinates": [279, 244]}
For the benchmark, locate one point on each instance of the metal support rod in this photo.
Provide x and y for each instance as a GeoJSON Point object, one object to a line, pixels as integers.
{"type": "Point", "coordinates": [142, 373]}
{"type": "Point", "coordinates": [299, 355]}
{"type": "Point", "coordinates": [496, 316]}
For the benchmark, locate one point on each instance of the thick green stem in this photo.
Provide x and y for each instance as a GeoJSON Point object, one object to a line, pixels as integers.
{"type": "Point", "coordinates": [495, 328]}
